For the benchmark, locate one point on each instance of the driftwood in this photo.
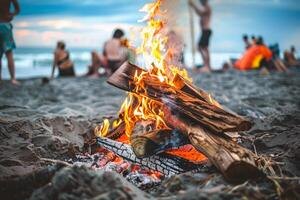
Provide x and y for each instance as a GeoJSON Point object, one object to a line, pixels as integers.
{"type": "Point", "coordinates": [193, 112]}
{"type": "Point", "coordinates": [147, 141]}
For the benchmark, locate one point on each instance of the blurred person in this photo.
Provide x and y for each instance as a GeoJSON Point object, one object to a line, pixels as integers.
{"type": "Point", "coordinates": [255, 57]}
{"type": "Point", "coordinates": [290, 57]}
{"type": "Point", "coordinates": [253, 40]}
{"type": "Point", "coordinates": [246, 41]}
{"type": "Point", "coordinates": [115, 54]}
{"type": "Point", "coordinates": [204, 12]}
{"type": "Point", "coordinates": [7, 43]}
{"type": "Point", "coordinates": [62, 61]}
{"type": "Point", "coordinates": [175, 47]}
{"type": "Point", "coordinates": [96, 65]}
{"type": "Point", "coordinates": [276, 63]}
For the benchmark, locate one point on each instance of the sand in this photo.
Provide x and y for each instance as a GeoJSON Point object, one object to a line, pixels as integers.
{"type": "Point", "coordinates": [53, 120]}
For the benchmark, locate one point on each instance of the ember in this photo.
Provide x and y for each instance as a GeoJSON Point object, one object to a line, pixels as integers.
{"type": "Point", "coordinates": [162, 101]}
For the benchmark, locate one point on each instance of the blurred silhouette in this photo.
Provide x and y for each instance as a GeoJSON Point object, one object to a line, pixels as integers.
{"type": "Point", "coordinates": [259, 56]}
{"type": "Point", "coordinates": [253, 40]}
{"type": "Point", "coordinates": [254, 57]}
{"type": "Point", "coordinates": [175, 46]}
{"type": "Point", "coordinates": [204, 12]}
{"type": "Point", "coordinates": [62, 61]}
{"type": "Point", "coordinates": [246, 41]}
{"type": "Point", "coordinates": [114, 52]}
{"type": "Point", "coordinates": [276, 63]}
{"type": "Point", "coordinates": [93, 69]}
{"type": "Point", "coordinates": [290, 58]}
{"type": "Point", "coordinates": [7, 43]}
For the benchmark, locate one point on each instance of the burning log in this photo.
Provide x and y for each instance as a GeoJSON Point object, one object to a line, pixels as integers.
{"type": "Point", "coordinates": [199, 109]}
{"type": "Point", "coordinates": [146, 142]}
{"type": "Point", "coordinates": [195, 114]}
{"type": "Point", "coordinates": [163, 163]}
{"type": "Point", "coordinates": [235, 162]}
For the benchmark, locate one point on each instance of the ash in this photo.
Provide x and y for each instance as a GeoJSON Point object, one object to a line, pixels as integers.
{"type": "Point", "coordinates": [144, 179]}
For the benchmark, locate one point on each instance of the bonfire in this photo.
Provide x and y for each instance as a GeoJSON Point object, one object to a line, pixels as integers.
{"type": "Point", "coordinates": [166, 123]}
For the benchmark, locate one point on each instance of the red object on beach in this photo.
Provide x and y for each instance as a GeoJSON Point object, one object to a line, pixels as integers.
{"type": "Point", "coordinates": [247, 62]}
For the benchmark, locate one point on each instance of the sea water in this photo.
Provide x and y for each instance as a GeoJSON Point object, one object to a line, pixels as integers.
{"type": "Point", "coordinates": [37, 62]}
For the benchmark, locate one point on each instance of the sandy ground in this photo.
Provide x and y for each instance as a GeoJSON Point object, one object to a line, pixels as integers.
{"type": "Point", "coordinates": [52, 120]}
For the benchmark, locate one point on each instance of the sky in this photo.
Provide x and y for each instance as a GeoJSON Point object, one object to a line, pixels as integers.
{"type": "Point", "coordinates": [88, 23]}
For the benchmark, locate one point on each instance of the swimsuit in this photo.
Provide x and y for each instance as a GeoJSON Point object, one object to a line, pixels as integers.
{"type": "Point", "coordinates": [204, 40]}
{"type": "Point", "coordinates": [65, 71]}
{"type": "Point", "coordinates": [7, 42]}
{"type": "Point", "coordinates": [113, 65]}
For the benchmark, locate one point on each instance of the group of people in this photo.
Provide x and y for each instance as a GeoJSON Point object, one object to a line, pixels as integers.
{"type": "Point", "coordinates": [258, 55]}
{"type": "Point", "coordinates": [115, 52]}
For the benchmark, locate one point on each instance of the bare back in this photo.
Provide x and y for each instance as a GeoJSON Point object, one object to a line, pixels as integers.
{"type": "Point", "coordinates": [113, 49]}
{"type": "Point", "coordinates": [206, 18]}
{"type": "Point", "coordinates": [5, 14]}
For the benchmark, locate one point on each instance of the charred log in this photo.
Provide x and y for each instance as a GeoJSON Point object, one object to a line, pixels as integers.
{"type": "Point", "coordinates": [235, 162]}
{"type": "Point", "coordinates": [163, 163]}
{"type": "Point", "coordinates": [147, 141]}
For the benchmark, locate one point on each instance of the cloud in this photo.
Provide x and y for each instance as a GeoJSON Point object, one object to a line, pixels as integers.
{"type": "Point", "coordinates": [76, 32]}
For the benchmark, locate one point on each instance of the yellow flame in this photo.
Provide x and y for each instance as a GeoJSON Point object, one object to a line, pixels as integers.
{"type": "Point", "coordinates": [103, 130]}
{"type": "Point", "coordinates": [137, 107]}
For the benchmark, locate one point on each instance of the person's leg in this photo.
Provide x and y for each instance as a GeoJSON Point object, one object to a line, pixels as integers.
{"type": "Point", "coordinates": [205, 57]}
{"type": "Point", "coordinates": [11, 66]}
{"type": "Point", "coordinates": [206, 49]}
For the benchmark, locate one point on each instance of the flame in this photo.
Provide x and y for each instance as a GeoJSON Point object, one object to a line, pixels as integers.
{"type": "Point", "coordinates": [137, 107]}
{"type": "Point", "coordinates": [153, 50]}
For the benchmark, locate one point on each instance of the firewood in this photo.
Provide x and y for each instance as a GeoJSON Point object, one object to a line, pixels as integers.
{"type": "Point", "coordinates": [186, 99]}
{"type": "Point", "coordinates": [204, 122]}
{"type": "Point", "coordinates": [235, 162]}
{"type": "Point", "coordinates": [147, 141]}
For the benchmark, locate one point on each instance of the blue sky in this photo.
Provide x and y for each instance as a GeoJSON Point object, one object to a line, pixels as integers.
{"type": "Point", "coordinates": [88, 23]}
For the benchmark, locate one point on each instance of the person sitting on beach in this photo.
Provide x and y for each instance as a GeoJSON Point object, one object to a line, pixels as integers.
{"type": "Point", "coordinates": [290, 58]}
{"type": "Point", "coordinates": [275, 63]}
{"type": "Point", "coordinates": [62, 61]}
{"type": "Point", "coordinates": [97, 63]}
{"type": "Point", "coordinates": [255, 57]}
{"type": "Point", "coordinates": [246, 41]}
{"type": "Point", "coordinates": [7, 43]}
{"type": "Point", "coordinates": [115, 54]}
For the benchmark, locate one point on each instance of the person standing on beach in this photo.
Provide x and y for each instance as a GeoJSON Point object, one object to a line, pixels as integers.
{"type": "Point", "coordinates": [7, 43]}
{"type": "Point", "coordinates": [204, 12]}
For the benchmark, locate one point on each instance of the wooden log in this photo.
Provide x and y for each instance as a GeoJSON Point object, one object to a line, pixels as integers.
{"type": "Point", "coordinates": [186, 99]}
{"type": "Point", "coordinates": [236, 163]}
{"type": "Point", "coordinates": [147, 141]}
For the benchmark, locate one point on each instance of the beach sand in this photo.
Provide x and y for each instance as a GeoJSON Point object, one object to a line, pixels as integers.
{"type": "Point", "coordinates": [52, 120]}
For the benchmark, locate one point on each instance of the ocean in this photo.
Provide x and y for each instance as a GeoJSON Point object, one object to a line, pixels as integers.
{"type": "Point", "coordinates": [37, 62]}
